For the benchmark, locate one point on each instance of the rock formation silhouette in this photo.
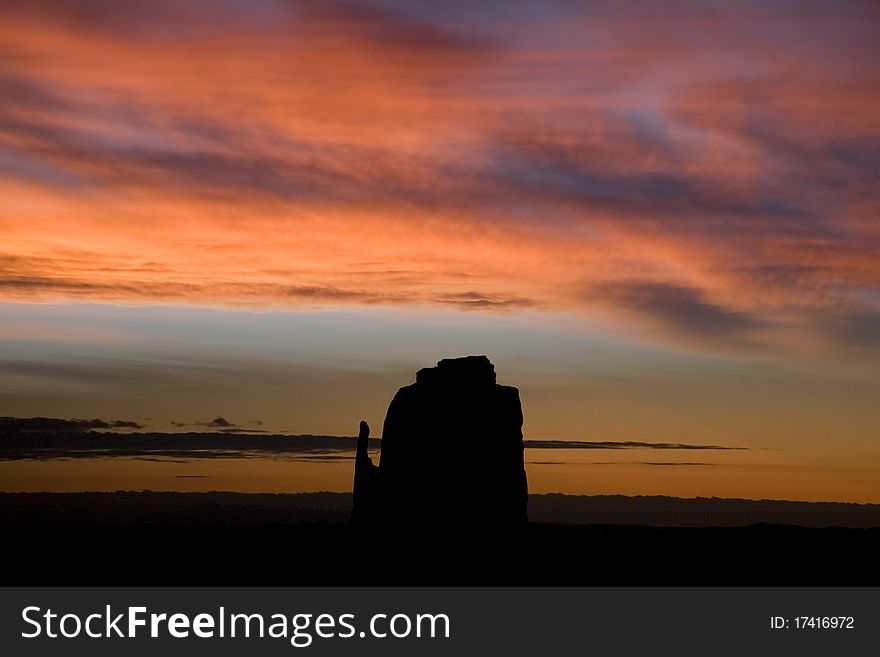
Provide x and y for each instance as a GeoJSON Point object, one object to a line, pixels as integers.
{"type": "Point", "coordinates": [366, 492]}
{"type": "Point", "coordinates": [451, 453]}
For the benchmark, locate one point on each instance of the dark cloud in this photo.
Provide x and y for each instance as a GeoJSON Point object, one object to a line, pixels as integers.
{"type": "Point", "coordinates": [603, 174]}
{"type": "Point", "coordinates": [609, 444]}
{"type": "Point", "coordinates": [44, 441]}
{"type": "Point", "coordinates": [335, 294]}
{"type": "Point", "coordinates": [124, 424]}
{"type": "Point", "coordinates": [161, 20]}
{"type": "Point", "coordinates": [681, 308]}
{"type": "Point", "coordinates": [222, 443]}
{"type": "Point", "coordinates": [479, 301]}
{"type": "Point", "coordinates": [222, 425]}
{"type": "Point", "coordinates": [78, 288]}
{"type": "Point", "coordinates": [111, 373]}
{"type": "Point", "coordinates": [810, 161]}
{"type": "Point", "coordinates": [674, 463]}
{"type": "Point", "coordinates": [378, 24]}
{"type": "Point", "coordinates": [393, 29]}
{"type": "Point", "coordinates": [860, 329]}
{"type": "Point", "coordinates": [22, 92]}
{"type": "Point", "coordinates": [219, 422]}
{"type": "Point", "coordinates": [621, 463]}
{"type": "Point", "coordinates": [44, 424]}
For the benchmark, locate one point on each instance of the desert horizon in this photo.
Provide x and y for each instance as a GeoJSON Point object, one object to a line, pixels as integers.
{"type": "Point", "coordinates": [60, 455]}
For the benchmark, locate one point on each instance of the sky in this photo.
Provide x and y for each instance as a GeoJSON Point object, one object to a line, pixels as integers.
{"type": "Point", "coordinates": [659, 220]}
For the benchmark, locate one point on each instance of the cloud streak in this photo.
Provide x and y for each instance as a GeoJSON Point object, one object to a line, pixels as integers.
{"type": "Point", "coordinates": [16, 425]}
{"type": "Point", "coordinates": [555, 156]}
{"type": "Point", "coordinates": [46, 438]}
{"type": "Point", "coordinates": [627, 444]}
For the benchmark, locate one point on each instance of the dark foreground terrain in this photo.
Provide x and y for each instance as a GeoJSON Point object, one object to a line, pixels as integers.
{"type": "Point", "coordinates": [246, 539]}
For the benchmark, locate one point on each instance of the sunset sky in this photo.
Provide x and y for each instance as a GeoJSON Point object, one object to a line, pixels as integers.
{"type": "Point", "coordinates": [660, 220]}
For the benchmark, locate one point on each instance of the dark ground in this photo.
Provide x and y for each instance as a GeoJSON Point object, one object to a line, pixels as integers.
{"type": "Point", "coordinates": [241, 539]}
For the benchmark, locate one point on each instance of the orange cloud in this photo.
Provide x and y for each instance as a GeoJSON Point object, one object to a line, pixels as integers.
{"type": "Point", "coordinates": [707, 174]}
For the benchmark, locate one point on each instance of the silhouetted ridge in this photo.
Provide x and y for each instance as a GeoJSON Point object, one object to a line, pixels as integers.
{"type": "Point", "coordinates": [417, 482]}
